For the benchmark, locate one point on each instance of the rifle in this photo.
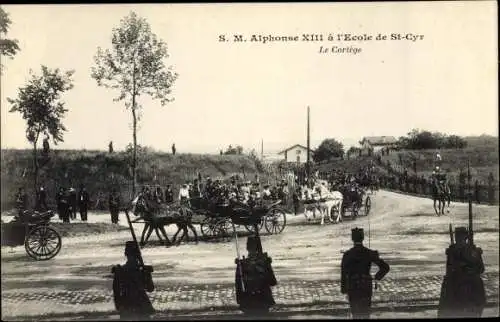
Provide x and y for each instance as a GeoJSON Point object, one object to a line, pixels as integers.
{"type": "Point", "coordinates": [238, 259]}
{"type": "Point", "coordinates": [146, 269]}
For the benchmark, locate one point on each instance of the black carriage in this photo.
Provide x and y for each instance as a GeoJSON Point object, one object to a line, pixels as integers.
{"type": "Point", "coordinates": [33, 230]}
{"type": "Point", "coordinates": [218, 217]}
{"type": "Point", "coordinates": [273, 216]}
{"type": "Point", "coordinates": [356, 201]}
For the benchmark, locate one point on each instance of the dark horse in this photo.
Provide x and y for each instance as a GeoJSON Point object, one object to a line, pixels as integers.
{"type": "Point", "coordinates": [157, 217]}
{"type": "Point", "coordinates": [441, 193]}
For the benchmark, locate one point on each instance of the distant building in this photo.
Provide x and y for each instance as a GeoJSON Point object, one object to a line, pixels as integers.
{"type": "Point", "coordinates": [296, 153]}
{"type": "Point", "coordinates": [377, 142]}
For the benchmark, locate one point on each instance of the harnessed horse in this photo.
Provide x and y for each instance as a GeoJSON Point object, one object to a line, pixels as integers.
{"type": "Point", "coordinates": [180, 216]}
{"type": "Point", "coordinates": [323, 200]}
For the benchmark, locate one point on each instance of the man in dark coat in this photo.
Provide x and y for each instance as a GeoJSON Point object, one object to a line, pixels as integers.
{"type": "Point", "coordinates": [462, 292]}
{"type": "Point", "coordinates": [356, 280]}
{"type": "Point", "coordinates": [83, 202]}
{"type": "Point", "coordinates": [254, 279]}
{"type": "Point", "coordinates": [114, 205]}
{"type": "Point", "coordinates": [130, 284]}
{"type": "Point", "coordinates": [62, 201]}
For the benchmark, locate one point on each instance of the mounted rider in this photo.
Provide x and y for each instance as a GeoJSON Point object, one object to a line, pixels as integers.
{"type": "Point", "coordinates": [440, 179]}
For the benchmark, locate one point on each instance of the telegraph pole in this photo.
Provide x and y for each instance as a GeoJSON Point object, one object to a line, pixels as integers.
{"type": "Point", "coordinates": [308, 147]}
{"type": "Point", "coordinates": [262, 149]}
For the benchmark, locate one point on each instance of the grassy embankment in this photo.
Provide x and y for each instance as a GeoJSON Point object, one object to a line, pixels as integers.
{"type": "Point", "coordinates": [100, 171]}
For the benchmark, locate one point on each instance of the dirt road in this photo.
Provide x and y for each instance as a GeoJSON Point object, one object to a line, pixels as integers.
{"type": "Point", "coordinates": [403, 229]}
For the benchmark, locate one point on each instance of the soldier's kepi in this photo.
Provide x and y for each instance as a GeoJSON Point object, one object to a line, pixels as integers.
{"type": "Point", "coordinates": [356, 280]}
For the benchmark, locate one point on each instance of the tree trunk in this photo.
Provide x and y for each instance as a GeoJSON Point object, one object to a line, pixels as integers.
{"type": "Point", "coordinates": [134, 159]}
{"type": "Point", "coordinates": [35, 167]}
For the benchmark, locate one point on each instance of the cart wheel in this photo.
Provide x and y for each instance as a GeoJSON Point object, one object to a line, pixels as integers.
{"type": "Point", "coordinates": [275, 221]}
{"type": "Point", "coordinates": [207, 227]}
{"type": "Point", "coordinates": [43, 243]}
{"type": "Point", "coordinates": [368, 205]}
{"type": "Point", "coordinates": [221, 228]}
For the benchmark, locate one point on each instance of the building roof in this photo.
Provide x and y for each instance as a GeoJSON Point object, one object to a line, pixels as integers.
{"type": "Point", "coordinates": [380, 140]}
{"type": "Point", "coordinates": [294, 146]}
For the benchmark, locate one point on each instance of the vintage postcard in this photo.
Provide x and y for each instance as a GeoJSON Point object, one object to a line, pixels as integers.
{"type": "Point", "coordinates": [243, 161]}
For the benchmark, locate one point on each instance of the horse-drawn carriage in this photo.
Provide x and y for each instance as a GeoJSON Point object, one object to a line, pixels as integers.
{"type": "Point", "coordinates": [219, 216]}
{"type": "Point", "coordinates": [356, 201]}
{"type": "Point", "coordinates": [33, 230]}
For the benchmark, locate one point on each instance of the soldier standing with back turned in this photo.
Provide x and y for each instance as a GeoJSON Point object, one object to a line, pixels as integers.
{"type": "Point", "coordinates": [254, 279]}
{"type": "Point", "coordinates": [462, 291]}
{"type": "Point", "coordinates": [130, 284]}
{"type": "Point", "coordinates": [356, 280]}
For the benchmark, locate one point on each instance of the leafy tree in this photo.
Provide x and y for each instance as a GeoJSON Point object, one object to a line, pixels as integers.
{"type": "Point", "coordinates": [135, 66]}
{"type": "Point", "coordinates": [455, 142]}
{"type": "Point", "coordinates": [39, 103]}
{"type": "Point", "coordinates": [329, 148]}
{"type": "Point", "coordinates": [8, 47]}
{"type": "Point", "coordinates": [234, 150]}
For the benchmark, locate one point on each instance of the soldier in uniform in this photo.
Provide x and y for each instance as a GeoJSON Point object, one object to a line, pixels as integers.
{"type": "Point", "coordinates": [356, 280]}
{"type": "Point", "coordinates": [130, 284]}
{"type": "Point", "coordinates": [462, 292]}
{"type": "Point", "coordinates": [254, 279]}
{"type": "Point", "coordinates": [114, 205]}
{"type": "Point", "coordinates": [83, 202]}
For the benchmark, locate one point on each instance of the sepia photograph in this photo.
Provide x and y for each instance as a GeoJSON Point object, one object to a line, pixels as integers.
{"type": "Point", "coordinates": [243, 161]}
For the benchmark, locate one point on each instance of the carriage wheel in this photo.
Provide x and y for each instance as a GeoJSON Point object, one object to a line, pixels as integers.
{"type": "Point", "coordinates": [250, 228]}
{"type": "Point", "coordinates": [43, 243]}
{"type": "Point", "coordinates": [368, 205]}
{"type": "Point", "coordinates": [207, 227]}
{"type": "Point", "coordinates": [275, 221]}
{"type": "Point", "coordinates": [221, 228]}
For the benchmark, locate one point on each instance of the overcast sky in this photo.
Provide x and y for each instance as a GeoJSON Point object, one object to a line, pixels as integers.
{"type": "Point", "coordinates": [240, 93]}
